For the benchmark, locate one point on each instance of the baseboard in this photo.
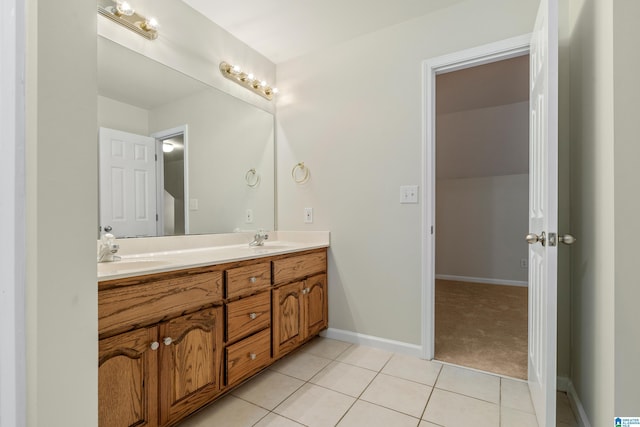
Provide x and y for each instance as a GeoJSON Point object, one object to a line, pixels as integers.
{"type": "Point", "coordinates": [564, 384]}
{"type": "Point", "coordinates": [372, 341]}
{"type": "Point", "coordinates": [482, 280]}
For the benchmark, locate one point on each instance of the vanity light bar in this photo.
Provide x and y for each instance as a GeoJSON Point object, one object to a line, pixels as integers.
{"type": "Point", "coordinates": [247, 80]}
{"type": "Point", "coordinates": [123, 13]}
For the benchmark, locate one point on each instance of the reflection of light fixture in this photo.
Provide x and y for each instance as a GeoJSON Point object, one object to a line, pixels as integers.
{"type": "Point", "coordinates": [247, 80]}
{"type": "Point", "coordinates": [167, 147]}
{"type": "Point", "coordinates": [122, 12]}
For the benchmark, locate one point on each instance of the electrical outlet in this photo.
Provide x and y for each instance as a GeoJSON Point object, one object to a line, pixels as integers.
{"type": "Point", "coordinates": [308, 215]}
{"type": "Point", "coordinates": [248, 217]}
{"type": "Point", "coordinates": [524, 263]}
{"type": "Point", "coordinates": [409, 194]}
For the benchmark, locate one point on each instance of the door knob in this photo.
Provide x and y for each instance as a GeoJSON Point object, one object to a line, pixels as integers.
{"type": "Point", "coordinates": [534, 238]}
{"type": "Point", "coordinates": [107, 228]}
{"type": "Point", "coordinates": [567, 239]}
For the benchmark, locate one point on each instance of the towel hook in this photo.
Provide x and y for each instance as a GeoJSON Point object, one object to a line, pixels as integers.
{"type": "Point", "coordinates": [252, 177]}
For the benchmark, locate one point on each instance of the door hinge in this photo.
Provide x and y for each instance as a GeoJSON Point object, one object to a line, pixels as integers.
{"type": "Point", "coordinates": [156, 217]}
{"type": "Point", "coordinates": [432, 229]}
{"type": "Point", "coordinates": [156, 157]}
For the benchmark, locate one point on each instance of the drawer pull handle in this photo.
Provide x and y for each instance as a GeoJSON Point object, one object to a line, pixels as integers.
{"type": "Point", "coordinates": [253, 279]}
{"type": "Point", "coordinates": [167, 341]}
{"type": "Point", "coordinates": [252, 316]}
{"type": "Point", "coordinates": [154, 345]}
{"type": "Point", "coordinates": [252, 356]}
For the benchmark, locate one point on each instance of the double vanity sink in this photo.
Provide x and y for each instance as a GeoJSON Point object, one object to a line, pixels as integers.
{"type": "Point", "coordinates": [156, 255]}
{"type": "Point", "coordinates": [184, 320]}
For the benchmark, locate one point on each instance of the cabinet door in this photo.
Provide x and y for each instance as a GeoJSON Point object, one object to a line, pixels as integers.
{"type": "Point", "coordinates": [127, 379]}
{"type": "Point", "coordinates": [190, 362]}
{"type": "Point", "coordinates": [315, 304]}
{"type": "Point", "coordinates": [287, 318]}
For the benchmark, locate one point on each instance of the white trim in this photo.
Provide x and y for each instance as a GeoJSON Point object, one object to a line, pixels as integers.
{"type": "Point", "coordinates": [371, 341]}
{"type": "Point", "coordinates": [564, 384]}
{"type": "Point", "coordinates": [12, 215]}
{"type": "Point", "coordinates": [164, 134]}
{"type": "Point", "coordinates": [492, 52]}
{"type": "Point", "coordinates": [501, 282]}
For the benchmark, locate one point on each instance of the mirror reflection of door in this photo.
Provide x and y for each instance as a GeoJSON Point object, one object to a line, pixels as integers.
{"type": "Point", "coordinates": [127, 184]}
{"type": "Point", "coordinates": [173, 215]}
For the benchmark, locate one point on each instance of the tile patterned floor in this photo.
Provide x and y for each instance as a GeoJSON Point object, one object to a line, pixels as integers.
{"type": "Point", "coordinates": [333, 383]}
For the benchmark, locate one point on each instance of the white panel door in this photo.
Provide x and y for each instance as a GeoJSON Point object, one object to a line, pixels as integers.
{"type": "Point", "coordinates": [543, 212]}
{"type": "Point", "coordinates": [127, 183]}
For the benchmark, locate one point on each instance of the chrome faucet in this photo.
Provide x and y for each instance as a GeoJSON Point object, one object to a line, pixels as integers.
{"type": "Point", "coordinates": [259, 238]}
{"type": "Point", "coordinates": [108, 249]}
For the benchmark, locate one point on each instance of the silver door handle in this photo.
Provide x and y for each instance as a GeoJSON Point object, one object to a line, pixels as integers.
{"type": "Point", "coordinates": [567, 239]}
{"type": "Point", "coordinates": [534, 238]}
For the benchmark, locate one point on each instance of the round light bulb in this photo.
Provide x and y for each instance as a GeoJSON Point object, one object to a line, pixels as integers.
{"type": "Point", "coordinates": [250, 76]}
{"type": "Point", "coordinates": [263, 83]}
{"type": "Point", "coordinates": [124, 8]}
{"type": "Point", "coordinates": [167, 147]}
{"type": "Point", "coordinates": [275, 90]}
{"type": "Point", "coordinates": [151, 24]}
{"type": "Point", "coordinates": [236, 69]}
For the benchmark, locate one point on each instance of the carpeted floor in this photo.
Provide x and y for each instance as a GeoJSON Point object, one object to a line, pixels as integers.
{"type": "Point", "coordinates": [482, 326]}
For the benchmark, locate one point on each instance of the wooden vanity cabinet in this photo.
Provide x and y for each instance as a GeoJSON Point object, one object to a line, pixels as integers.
{"type": "Point", "coordinates": [172, 342]}
{"type": "Point", "coordinates": [300, 308]}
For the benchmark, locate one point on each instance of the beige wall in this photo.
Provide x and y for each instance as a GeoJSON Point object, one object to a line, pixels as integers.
{"type": "Point", "coordinates": [626, 90]}
{"type": "Point", "coordinates": [353, 114]}
{"type": "Point", "coordinates": [480, 225]}
{"type": "Point", "coordinates": [62, 318]}
{"type": "Point", "coordinates": [592, 207]}
{"type": "Point", "coordinates": [114, 114]}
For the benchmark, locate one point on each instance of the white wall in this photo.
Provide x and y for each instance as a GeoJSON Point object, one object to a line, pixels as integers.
{"type": "Point", "coordinates": [62, 316]}
{"type": "Point", "coordinates": [480, 224]}
{"type": "Point", "coordinates": [592, 208]}
{"type": "Point", "coordinates": [114, 114]}
{"type": "Point", "coordinates": [626, 33]}
{"type": "Point", "coordinates": [353, 114]}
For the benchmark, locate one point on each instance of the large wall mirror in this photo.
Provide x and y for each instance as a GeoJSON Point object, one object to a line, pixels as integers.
{"type": "Point", "coordinates": [216, 172]}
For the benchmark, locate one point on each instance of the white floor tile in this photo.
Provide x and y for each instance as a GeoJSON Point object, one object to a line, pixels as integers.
{"type": "Point", "coordinates": [315, 406]}
{"type": "Point", "coordinates": [325, 347]}
{"type": "Point", "coordinates": [275, 420]}
{"type": "Point", "coordinates": [268, 389]}
{"type": "Point", "coordinates": [347, 379]}
{"type": "Point", "coordinates": [515, 395]}
{"type": "Point", "coordinates": [300, 365]}
{"type": "Point", "coordinates": [470, 383]}
{"type": "Point", "coordinates": [413, 368]}
{"type": "Point", "coordinates": [451, 409]}
{"type": "Point", "coordinates": [365, 357]}
{"type": "Point", "coordinates": [364, 414]}
{"type": "Point", "coordinates": [398, 394]}
{"type": "Point", "coordinates": [228, 411]}
{"type": "Point", "coordinates": [512, 417]}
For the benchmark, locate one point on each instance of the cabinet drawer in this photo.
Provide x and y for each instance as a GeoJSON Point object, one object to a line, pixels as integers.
{"type": "Point", "coordinates": [248, 279]}
{"type": "Point", "coordinates": [248, 315]}
{"type": "Point", "coordinates": [297, 267]}
{"type": "Point", "coordinates": [248, 356]}
{"type": "Point", "coordinates": [126, 307]}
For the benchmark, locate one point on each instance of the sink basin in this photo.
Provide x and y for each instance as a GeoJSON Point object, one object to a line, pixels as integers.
{"type": "Point", "coordinates": [126, 265]}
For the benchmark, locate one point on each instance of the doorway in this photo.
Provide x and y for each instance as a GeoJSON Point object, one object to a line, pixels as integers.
{"type": "Point", "coordinates": [482, 196]}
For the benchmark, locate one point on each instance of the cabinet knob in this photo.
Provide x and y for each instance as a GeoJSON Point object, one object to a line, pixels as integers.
{"type": "Point", "coordinates": [252, 356]}
{"type": "Point", "coordinates": [167, 341]}
{"type": "Point", "coordinates": [154, 345]}
{"type": "Point", "coordinates": [252, 316]}
{"type": "Point", "coordinates": [253, 279]}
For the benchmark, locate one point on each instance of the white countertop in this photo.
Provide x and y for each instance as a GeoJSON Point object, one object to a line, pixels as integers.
{"type": "Point", "coordinates": [161, 254]}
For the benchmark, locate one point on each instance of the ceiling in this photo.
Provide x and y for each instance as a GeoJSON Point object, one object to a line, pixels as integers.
{"type": "Point", "coordinates": [284, 29]}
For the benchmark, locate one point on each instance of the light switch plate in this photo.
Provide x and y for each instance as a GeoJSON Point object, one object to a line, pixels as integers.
{"type": "Point", "coordinates": [248, 216]}
{"type": "Point", "coordinates": [193, 204]}
{"type": "Point", "coordinates": [408, 194]}
{"type": "Point", "coordinates": [308, 215]}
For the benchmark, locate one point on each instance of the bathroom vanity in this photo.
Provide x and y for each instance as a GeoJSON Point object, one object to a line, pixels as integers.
{"type": "Point", "coordinates": [174, 337]}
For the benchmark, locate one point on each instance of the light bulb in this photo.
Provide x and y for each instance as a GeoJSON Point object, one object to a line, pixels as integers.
{"type": "Point", "coordinates": [236, 69]}
{"type": "Point", "coordinates": [263, 83]}
{"type": "Point", "coordinates": [167, 147]}
{"type": "Point", "coordinates": [275, 90]}
{"type": "Point", "coordinates": [124, 8]}
{"type": "Point", "coordinates": [150, 24]}
{"type": "Point", "coordinates": [250, 76]}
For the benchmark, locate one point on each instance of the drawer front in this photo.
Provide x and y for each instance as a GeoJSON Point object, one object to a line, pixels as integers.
{"type": "Point", "coordinates": [248, 356]}
{"type": "Point", "coordinates": [125, 307]}
{"type": "Point", "coordinates": [248, 279]}
{"type": "Point", "coordinates": [297, 267]}
{"type": "Point", "coordinates": [248, 315]}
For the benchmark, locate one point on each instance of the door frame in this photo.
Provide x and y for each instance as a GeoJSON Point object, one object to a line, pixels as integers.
{"type": "Point", "coordinates": [501, 50]}
{"type": "Point", "coordinates": [160, 136]}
